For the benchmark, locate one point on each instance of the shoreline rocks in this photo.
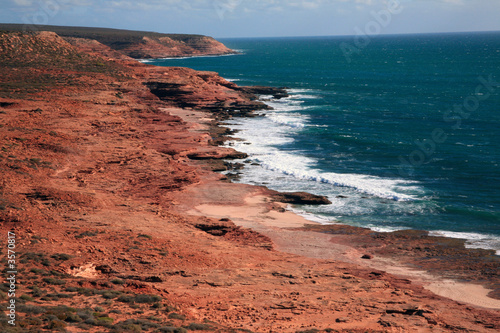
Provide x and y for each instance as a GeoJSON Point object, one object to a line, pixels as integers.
{"type": "Point", "coordinates": [301, 198]}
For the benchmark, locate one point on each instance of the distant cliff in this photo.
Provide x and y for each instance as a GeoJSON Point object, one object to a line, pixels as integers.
{"type": "Point", "coordinates": [134, 44]}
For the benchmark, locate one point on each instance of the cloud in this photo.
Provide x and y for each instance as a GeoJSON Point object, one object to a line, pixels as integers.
{"type": "Point", "coordinates": [23, 3]}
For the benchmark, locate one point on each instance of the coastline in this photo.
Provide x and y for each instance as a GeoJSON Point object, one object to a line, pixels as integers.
{"type": "Point", "coordinates": [255, 209]}
{"type": "Point", "coordinates": [109, 190]}
{"type": "Point", "coordinates": [146, 61]}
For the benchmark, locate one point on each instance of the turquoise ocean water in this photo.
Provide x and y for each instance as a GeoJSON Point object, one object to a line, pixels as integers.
{"type": "Point", "coordinates": [404, 133]}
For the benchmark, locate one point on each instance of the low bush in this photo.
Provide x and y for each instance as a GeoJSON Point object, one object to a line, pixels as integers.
{"type": "Point", "coordinates": [54, 281]}
{"type": "Point", "coordinates": [172, 330]}
{"type": "Point", "coordinates": [177, 316]}
{"type": "Point", "coordinates": [199, 327]}
{"type": "Point", "coordinates": [147, 298]}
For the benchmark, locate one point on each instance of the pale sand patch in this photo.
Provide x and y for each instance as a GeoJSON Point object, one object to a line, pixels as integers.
{"type": "Point", "coordinates": [253, 214]}
{"type": "Point", "coordinates": [464, 292]}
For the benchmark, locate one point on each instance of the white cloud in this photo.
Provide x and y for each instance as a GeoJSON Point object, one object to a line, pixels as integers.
{"type": "Point", "coordinates": [23, 3]}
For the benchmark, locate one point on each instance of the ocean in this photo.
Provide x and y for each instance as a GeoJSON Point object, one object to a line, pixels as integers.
{"type": "Point", "coordinates": [400, 132]}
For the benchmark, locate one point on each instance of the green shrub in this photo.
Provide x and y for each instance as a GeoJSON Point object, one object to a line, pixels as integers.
{"type": "Point", "coordinates": [172, 330]}
{"type": "Point", "coordinates": [104, 321]}
{"type": "Point", "coordinates": [86, 234]}
{"type": "Point", "coordinates": [85, 314]}
{"type": "Point", "coordinates": [110, 294]}
{"type": "Point", "coordinates": [54, 281]}
{"type": "Point", "coordinates": [39, 271]}
{"type": "Point", "coordinates": [199, 327]}
{"type": "Point", "coordinates": [126, 299]}
{"type": "Point", "coordinates": [147, 298]}
{"type": "Point", "coordinates": [117, 281]}
{"type": "Point", "coordinates": [31, 309]}
{"type": "Point", "coordinates": [61, 256]}
{"type": "Point", "coordinates": [141, 323]}
{"type": "Point", "coordinates": [26, 297]}
{"type": "Point", "coordinates": [174, 315]}
{"type": "Point", "coordinates": [73, 318]}
{"type": "Point", "coordinates": [126, 328]}
{"type": "Point", "coordinates": [37, 292]}
{"type": "Point", "coordinates": [56, 325]}
{"type": "Point", "coordinates": [87, 291]}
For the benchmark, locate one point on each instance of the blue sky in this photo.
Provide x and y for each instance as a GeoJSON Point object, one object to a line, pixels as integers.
{"type": "Point", "coordinates": [259, 18]}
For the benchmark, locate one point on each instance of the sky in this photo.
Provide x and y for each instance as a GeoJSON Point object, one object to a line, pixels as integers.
{"type": "Point", "coordinates": [261, 18]}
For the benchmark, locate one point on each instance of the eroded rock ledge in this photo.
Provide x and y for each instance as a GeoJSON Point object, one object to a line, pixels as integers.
{"type": "Point", "coordinates": [208, 91]}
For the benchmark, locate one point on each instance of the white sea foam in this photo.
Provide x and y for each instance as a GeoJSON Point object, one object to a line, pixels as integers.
{"type": "Point", "coordinates": [294, 165]}
{"type": "Point", "coordinates": [295, 121]}
{"type": "Point", "coordinates": [311, 217]}
{"type": "Point", "coordinates": [264, 139]}
{"type": "Point", "coordinates": [298, 91]}
{"type": "Point", "coordinates": [385, 229]}
{"type": "Point", "coordinates": [473, 240]}
{"type": "Point", "coordinates": [302, 96]}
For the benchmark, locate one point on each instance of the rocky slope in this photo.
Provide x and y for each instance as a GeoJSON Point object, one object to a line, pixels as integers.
{"type": "Point", "coordinates": [93, 167]}
{"type": "Point", "coordinates": [134, 44]}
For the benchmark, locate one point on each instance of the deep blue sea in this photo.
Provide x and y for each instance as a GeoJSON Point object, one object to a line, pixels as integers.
{"type": "Point", "coordinates": [404, 133]}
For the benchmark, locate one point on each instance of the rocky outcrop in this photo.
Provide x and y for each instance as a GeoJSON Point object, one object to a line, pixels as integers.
{"type": "Point", "coordinates": [301, 198]}
{"type": "Point", "coordinates": [262, 90]}
{"type": "Point", "coordinates": [184, 87]}
{"type": "Point", "coordinates": [217, 154]}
